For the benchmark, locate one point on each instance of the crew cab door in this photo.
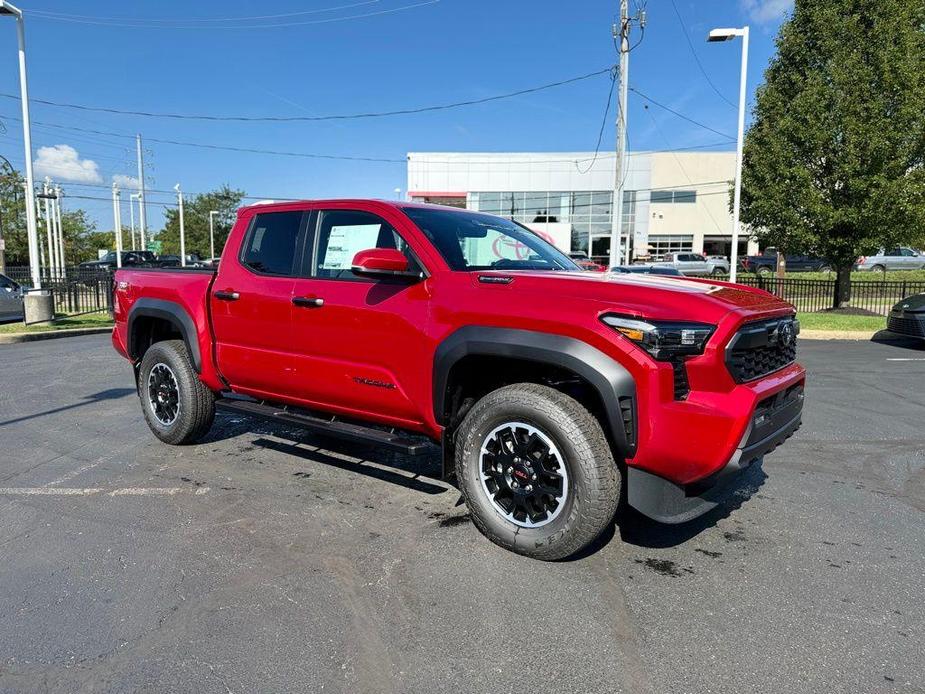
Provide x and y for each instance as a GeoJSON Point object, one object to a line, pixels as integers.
{"type": "Point", "coordinates": [251, 304]}
{"type": "Point", "coordinates": [359, 343]}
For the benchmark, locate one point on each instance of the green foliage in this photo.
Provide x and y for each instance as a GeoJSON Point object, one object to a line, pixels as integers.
{"type": "Point", "coordinates": [80, 236]}
{"type": "Point", "coordinates": [196, 208]}
{"type": "Point", "coordinates": [833, 162]}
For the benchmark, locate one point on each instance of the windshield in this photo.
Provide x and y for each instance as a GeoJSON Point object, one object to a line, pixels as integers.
{"type": "Point", "coordinates": [474, 241]}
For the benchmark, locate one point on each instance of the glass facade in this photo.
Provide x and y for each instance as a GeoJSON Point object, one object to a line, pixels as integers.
{"type": "Point", "coordinates": [589, 213]}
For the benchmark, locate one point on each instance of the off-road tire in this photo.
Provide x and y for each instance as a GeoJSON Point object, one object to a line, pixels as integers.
{"type": "Point", "coordinates": [196, 402]}
{"type": "Point", "coordinates": [594, 481]}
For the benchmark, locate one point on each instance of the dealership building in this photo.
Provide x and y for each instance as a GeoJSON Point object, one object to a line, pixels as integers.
{"type": "Point", "coordinates": [673, 201]}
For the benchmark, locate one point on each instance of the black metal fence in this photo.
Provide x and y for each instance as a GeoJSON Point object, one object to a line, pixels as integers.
{"type": "Point", "coordinates": [819, 295]}
{"type": "Point", "coordinates": [76, 291]}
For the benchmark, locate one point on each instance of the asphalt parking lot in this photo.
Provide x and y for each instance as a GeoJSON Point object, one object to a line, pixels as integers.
{"type": "Point", "coordinates": [268, 560]}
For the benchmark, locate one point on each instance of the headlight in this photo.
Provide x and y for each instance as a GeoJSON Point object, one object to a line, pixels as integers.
{"type": "Point", "coordinates": [664, 340]}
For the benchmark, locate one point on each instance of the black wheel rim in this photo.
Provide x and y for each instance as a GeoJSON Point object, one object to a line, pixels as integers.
{"type": "Point", "coordinates": [523, 474]}
{"type": "Point", "coordinates": [163, 394]}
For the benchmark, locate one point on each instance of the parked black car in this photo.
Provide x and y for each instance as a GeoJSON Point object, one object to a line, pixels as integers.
{"type": "Point", "coordinates": [129, 259]}
{"type": "Point", "coordinates": [766, 263]}
{"type": "Point", "coordinates": [908, 317]}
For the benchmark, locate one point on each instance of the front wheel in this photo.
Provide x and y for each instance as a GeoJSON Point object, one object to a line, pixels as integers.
{"type": "Point", "coordinates": [536, 471]}
{"type": "Point", "coordinates": [177, 406]}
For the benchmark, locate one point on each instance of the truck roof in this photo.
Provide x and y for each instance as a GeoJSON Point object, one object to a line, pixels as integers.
{"type": "Point", "coordinates": [265, 204]}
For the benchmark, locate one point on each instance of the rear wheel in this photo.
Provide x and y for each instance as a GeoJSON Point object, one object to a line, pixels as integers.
{"type": "Point", "coordinates": [536, 471]}
{"type": "Point", "coordinates": [878, 268]}
{"type": "Point", "coordinates": [717, 271]}
{"type": "Point", "coordinates": [764, 270]}
{"type": "Point", "coordinates": [177, 406]}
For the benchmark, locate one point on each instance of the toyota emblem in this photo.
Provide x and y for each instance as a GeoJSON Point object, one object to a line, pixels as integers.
{"type": "Point", "coordinates": [787, 334]}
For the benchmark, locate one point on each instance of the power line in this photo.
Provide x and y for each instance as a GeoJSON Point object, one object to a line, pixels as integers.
{"type": "Point", "coordinates": [337, 117]}
{"type": "Point", "coordinates": [679, 115]}
{"type": "Point", "coordinates": [200, 27]}
{"type": "Point", "coordinates": [697, 58]}
{"type": "Point", "coordinates": [63, 15]}
{"type": "Point", "coordinates": [600, 135]}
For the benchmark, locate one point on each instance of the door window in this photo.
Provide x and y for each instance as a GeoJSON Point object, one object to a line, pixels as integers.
{"type": "Point", "coordinates": [272, 243]}
{"type": "Point", "coordinates": [344, 233]}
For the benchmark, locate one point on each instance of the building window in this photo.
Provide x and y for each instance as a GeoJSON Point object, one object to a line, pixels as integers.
{"type": "Point", "coordinates": [673, 196]}
{"type": "Point", "coordinates": [663, 244]}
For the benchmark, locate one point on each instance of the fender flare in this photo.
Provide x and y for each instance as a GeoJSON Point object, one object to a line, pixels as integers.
{"type": "Point", "coordinates": [174, 314]}
{"type": "Point", "coordinates": [613, 383]}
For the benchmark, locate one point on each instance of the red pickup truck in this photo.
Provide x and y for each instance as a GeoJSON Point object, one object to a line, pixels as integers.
{"type": "Point", "coordinates": [551, 391]}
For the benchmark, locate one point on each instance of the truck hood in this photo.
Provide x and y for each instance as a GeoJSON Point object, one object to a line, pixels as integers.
{"type": "Point", "coordinates": [651, 296]}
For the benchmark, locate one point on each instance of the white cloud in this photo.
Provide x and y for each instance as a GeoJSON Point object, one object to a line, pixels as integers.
{"type": "Point", "coordinates": [764, 11]}
{"type": "Point", "coordinates": [63, 163]}
{"type": "Point", "coordinates": [124, 181]}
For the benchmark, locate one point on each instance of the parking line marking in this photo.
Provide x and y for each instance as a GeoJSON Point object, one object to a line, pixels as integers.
{"type": "Point", "coordinates": [88, 491]}
{"type": "Point", "coordinates": [905, 358]}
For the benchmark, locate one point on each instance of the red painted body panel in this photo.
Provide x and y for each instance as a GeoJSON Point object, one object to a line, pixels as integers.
{"type": "Point", "coordinates": [369, 350]}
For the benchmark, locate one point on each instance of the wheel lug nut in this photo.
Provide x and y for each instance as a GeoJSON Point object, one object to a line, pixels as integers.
{"type": "Point", "coordinates": [533, 477]}
{"type": "Point", "coordinates": [529, 488]}
{"type": "Point", "coordinates": [510, 470]}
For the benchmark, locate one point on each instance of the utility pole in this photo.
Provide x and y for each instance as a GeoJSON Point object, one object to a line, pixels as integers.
{"type": "Point", "coordinates": [621, 33]}
{"type": "Point", "coordinates": [131, 215]}
{"type": "Point", "coordinates": [142, 218]}
{"type": "Point", "coordinates": [117, 222]}
{"type": "Point", "coordinates": [182, 228]}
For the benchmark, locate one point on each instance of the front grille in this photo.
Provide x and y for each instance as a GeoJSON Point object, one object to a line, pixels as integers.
{"type": "Point", "coordinates": [761, 348]}
{"type": "Point", "coordinates": [906, 326]}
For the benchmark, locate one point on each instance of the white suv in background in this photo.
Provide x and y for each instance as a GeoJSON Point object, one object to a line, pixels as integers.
{"type": "Point", "coordinates": [895, 259]}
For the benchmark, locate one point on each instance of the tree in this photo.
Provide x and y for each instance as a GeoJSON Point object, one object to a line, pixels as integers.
{"type": "Point", "coordinates": [196, 208]}
{"type": "Point", "coordinates": [833, 161]}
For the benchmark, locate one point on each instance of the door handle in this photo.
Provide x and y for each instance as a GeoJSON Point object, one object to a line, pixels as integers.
{"type": "Point", "coordinates": [227, 296]}
{"type": "Point", "coordinates": [308, 301]}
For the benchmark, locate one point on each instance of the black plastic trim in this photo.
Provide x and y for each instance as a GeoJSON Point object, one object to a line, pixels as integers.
{"type": "Point", "coordinates": [173, 313]}
{"type": "Point", "coordinates": [608, 377]}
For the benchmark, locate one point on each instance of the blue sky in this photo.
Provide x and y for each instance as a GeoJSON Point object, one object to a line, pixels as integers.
{"type": "Point", "coordinates": [160, 57]}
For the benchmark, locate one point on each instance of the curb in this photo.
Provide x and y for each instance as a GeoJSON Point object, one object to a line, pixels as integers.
{"type": "Point", "coordinates": [865, 335]}
{"type": "Point", "coordinates": [15, 338]}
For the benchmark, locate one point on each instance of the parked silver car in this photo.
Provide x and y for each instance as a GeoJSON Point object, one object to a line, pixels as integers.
{"type": "Point", "coordinates": [895, 259]}
{"type": "Point", "coordinates": [695, 264]}
{"type": "Point", "coordinates": [11, 306]}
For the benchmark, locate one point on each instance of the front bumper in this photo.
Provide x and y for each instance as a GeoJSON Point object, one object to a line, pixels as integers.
{"type": "Point", "coordinates": [910, 323]}
{"type": "Point", "coordinates": [773, 421]}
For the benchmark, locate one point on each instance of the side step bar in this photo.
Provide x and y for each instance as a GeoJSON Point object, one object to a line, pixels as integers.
{"type": "Point", "coordinates": [404, 442]}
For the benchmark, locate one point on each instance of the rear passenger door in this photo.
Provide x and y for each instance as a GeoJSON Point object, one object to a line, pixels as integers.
{"type": "Point", "coordinates": [251, 304]}
{"type": "Point", "coordinates": [360, 344]}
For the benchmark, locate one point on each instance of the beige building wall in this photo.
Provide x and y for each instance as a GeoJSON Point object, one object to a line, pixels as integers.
{"type": "Point", "coordinates": [702, 218]}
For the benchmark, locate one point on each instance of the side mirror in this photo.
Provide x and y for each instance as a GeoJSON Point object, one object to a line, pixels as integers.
{"type": "Point", "coordinates": [382, 263]}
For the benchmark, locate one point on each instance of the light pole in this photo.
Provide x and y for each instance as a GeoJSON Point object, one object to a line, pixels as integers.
{"type": "Point", "coordinates": [61, 256]}
{"type": "Point", "coordinates": [398, 193]}
{"type": "Point", "coordinates": [12, 10]}
{"type": "Point", "coordinates": [212, 214]}
{"type": "Point", "coordinates": [117, 222]}
{"type": "Point", "coordinates": [182, 228]}
{"type": "Point", "coordinates": [728, 35]}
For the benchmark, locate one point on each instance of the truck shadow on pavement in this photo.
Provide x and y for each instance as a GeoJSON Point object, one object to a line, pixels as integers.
{"type": "Point", "coordinates": [369, 462]}
{"type": "Point", "coordinates": [102, 396]}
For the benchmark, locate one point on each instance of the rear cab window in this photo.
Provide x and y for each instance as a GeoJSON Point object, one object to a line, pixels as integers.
{"type": "Point", "coordinates": [272, 245]}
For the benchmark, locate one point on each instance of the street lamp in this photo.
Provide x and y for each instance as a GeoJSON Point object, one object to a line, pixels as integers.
{"type": "Point", "coordinates": [398, 193]}
{"type": "Point", "coordinates": [728, 35]}
{"type": "Point", "coordinates": [8, 9]}
{"type": "Point", "coordinates": [182, 228]}
{"type": "Point", "coordinates": [212, 214]}
{"type": "Point", "coordinates": [131, 214]}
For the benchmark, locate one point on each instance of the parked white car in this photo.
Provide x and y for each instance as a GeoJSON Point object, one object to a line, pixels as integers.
{"type": "Point", "coordinates": [695, 264]}
{"type": "Point", "coordinates": [895, 259]}
{"type": "Point", "coordinates": [11, 307]}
